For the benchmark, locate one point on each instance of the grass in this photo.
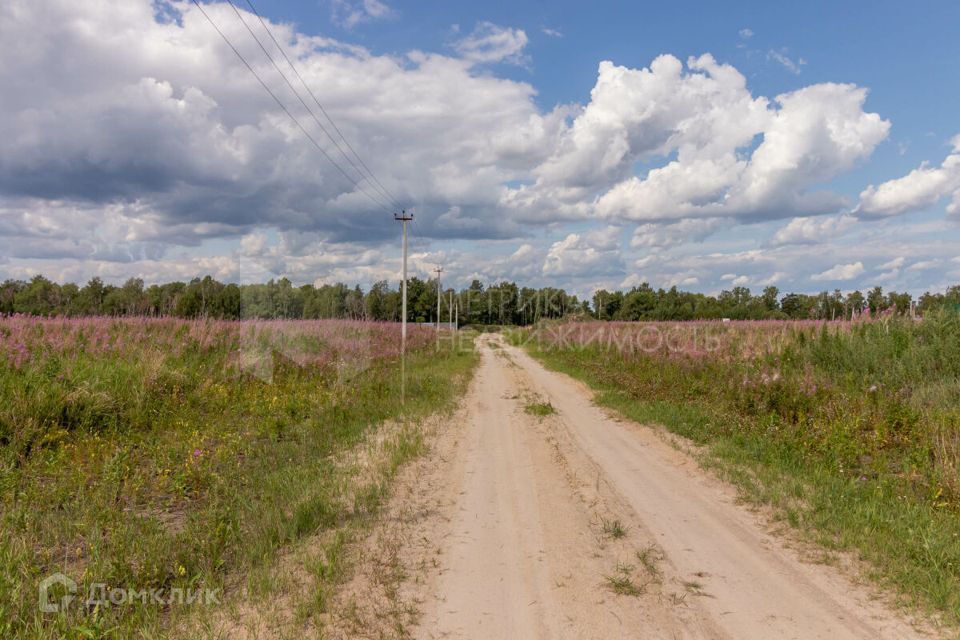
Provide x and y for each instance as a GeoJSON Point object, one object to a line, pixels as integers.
{"type": "Point", "coordinates": [650, 559]}
{"type": "Point", "coordinates": [613, 529]}
{"type": "Point", "coordinates": [622, 583]}
{"type": "Point", "coordinates": [849, 431]}
{"type": "Point", "coordinates": [172, 455]}
{"type": "Point", "coordinates": [540, 409]}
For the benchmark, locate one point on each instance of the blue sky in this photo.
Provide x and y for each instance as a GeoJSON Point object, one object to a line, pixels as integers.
{"type": "Point", "coordinates": [705, 145]}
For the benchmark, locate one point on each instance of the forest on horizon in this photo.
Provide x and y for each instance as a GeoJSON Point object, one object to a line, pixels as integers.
{"type": "Point", "coordinates": [500, 303]}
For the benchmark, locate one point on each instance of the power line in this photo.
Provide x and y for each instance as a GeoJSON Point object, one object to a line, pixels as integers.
{"type": "Point", "coordinates": [302, 102]}
{"type": "Point", "coordinates": [287, 111]}
{"type": "Point", "coordinates": [419, 241]}
{"type": "Point", "coordinates": [390, 197]}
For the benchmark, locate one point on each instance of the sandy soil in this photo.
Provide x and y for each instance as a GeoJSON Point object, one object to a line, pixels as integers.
{"type": "Point", "coordinates": [517, 540]}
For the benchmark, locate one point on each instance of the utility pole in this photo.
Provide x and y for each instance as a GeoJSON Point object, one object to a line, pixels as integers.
{"type": "Point", "coordinates": [404, 218]}
{"type": "Point", "coordinates": [438, 271]}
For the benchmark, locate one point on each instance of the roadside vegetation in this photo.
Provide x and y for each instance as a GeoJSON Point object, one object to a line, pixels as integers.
{"type": "Point", "coordinates": [850, 431]}
{"type": "Point", "coordinates": [169, 455]}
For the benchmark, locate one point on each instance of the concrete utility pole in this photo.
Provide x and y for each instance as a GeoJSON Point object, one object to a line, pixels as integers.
{"type": "Point", "coordinates": [404, 218]}
{"type": "Point", "coordinates": [438, 271]}
{"type": "Point", "coordinates": [450, 307]}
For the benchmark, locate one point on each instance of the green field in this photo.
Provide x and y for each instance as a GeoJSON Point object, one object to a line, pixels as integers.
{"type": "Point", "coordinates": [173, 457]}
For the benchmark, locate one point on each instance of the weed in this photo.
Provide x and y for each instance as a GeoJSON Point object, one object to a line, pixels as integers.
{"type": "Point", "coordinates": [540, 409]}
{"type": "Point", "coordinates": [622, 582]}
{"type": "Point", "coordinates": [694, 587]}
{"type": "Point", "coordinates": [613, 529]}
{"type": "Point", "coordinates": [649, 558]}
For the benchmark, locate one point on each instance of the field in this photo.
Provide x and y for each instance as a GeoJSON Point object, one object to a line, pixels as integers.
{"type": "Point", "coordinates": [850, 432]}
{"type": "Point", "coordinates": [189, 476]}
{"type": "Point", "coordinates": [159, 461]}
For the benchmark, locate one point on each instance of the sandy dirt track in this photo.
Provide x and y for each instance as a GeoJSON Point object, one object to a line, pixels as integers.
{"type": "Point", "coordinates": [525, 548]}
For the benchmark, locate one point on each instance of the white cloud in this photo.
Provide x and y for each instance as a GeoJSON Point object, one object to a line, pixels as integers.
{"type": "Point", "coordinates": [708, 118]}
{"type": "Point", "coordinates": [553, 33]}
{"type": "Point", "coordinates": [812, 230]}
{"type": "Point", "coordinates": [772, 279]}
{"type": "Point", "coordinates": [579, 254]}
{"type": "Point", "coordinates": [350, 13]}
{"type": "Point", "coordinates": [253, 244]}
{"type": "Point", "coordinates": [794, 67]}
{"type": "Point", "coordinates": [657, 235]}
{"type": "Point", "coordinates": [840, 272]}
{"type": "Point", "coordinates": [920, 189]}
{"type": "Point", "coordinates": [746, 33]}
{"type": "Point", "coordinates": [923, 265]}
{"type": "Point", "coordinates": [755, 280]}
{"type": "Point", "coordinates": [155, 149]}
{"type": "Point", "coordinates": [896, 263]}
{"type": "Point", "coordinates": [493, 43]}
{"type": "Point", "coordinates": [162, 117]}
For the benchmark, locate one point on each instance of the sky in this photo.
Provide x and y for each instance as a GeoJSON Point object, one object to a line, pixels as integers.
{"type": "Point", "coordinates": [810, 146]}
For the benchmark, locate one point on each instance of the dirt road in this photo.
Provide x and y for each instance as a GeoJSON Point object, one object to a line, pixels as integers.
{"type": "Point", "coordinates": [577, 525]}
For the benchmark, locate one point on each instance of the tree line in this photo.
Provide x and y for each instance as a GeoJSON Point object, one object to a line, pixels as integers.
{"type": "Point", "coordinates": [646, 303]}
{"type": "Point", "coordinates": [499, 303]}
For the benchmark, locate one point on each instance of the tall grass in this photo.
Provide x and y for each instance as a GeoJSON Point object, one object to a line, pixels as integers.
{"type": "Point", "coordinates": [161, 454]}
{"type": "Point", "coordinates": [850, 430]}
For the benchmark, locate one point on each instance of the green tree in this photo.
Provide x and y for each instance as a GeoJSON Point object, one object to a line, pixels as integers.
{"type": "Point", "coordinates": [876, 300]}
{"type": "Point", "coordinates": [40, 297]}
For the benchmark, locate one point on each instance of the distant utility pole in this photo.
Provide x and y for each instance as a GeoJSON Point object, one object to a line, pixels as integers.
{"type": "Point", "coordinates": [438, 271]}
{"type": "Point", "coordinates": [404, 218]}
{"type": "Point", "coordinates": [450, 308]}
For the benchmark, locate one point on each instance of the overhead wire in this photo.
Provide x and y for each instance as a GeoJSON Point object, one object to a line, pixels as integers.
{"type": "Point", "coordinates": [419, 244]}
{"type": "Point", "coordinates": [305, 105]}
{"type": "Point", "coordinates": [372, 176]}
{"type": "Point", "coordinates": [280, 103]}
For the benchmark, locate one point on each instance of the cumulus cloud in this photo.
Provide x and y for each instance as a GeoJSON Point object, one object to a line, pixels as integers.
{"type": "Point", "coordinates": [736, 155]}
{"type": "Point", "coordinates": [492, 43]}
{"type": "Point", "coordinates": [659, 235]}
{"type": "Point", "coordinates": [896, 263]}
{"type": "Point", "coordinates": [592, 253]}
{"type": "Point", "coordinates": [920, 189]}
{"type": "Point", "coordinates": [162, 115]}
{"type": "Point", "coordinates": [840, 272]}
{"type": "Point", "coordinates": [772, 279]}
{"type": "Point", "coordinates": [753, 280]}
{"type": "Point", "coordinates": [144, 152]}
{"type": "Point", "coordinates": [812, 230]}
